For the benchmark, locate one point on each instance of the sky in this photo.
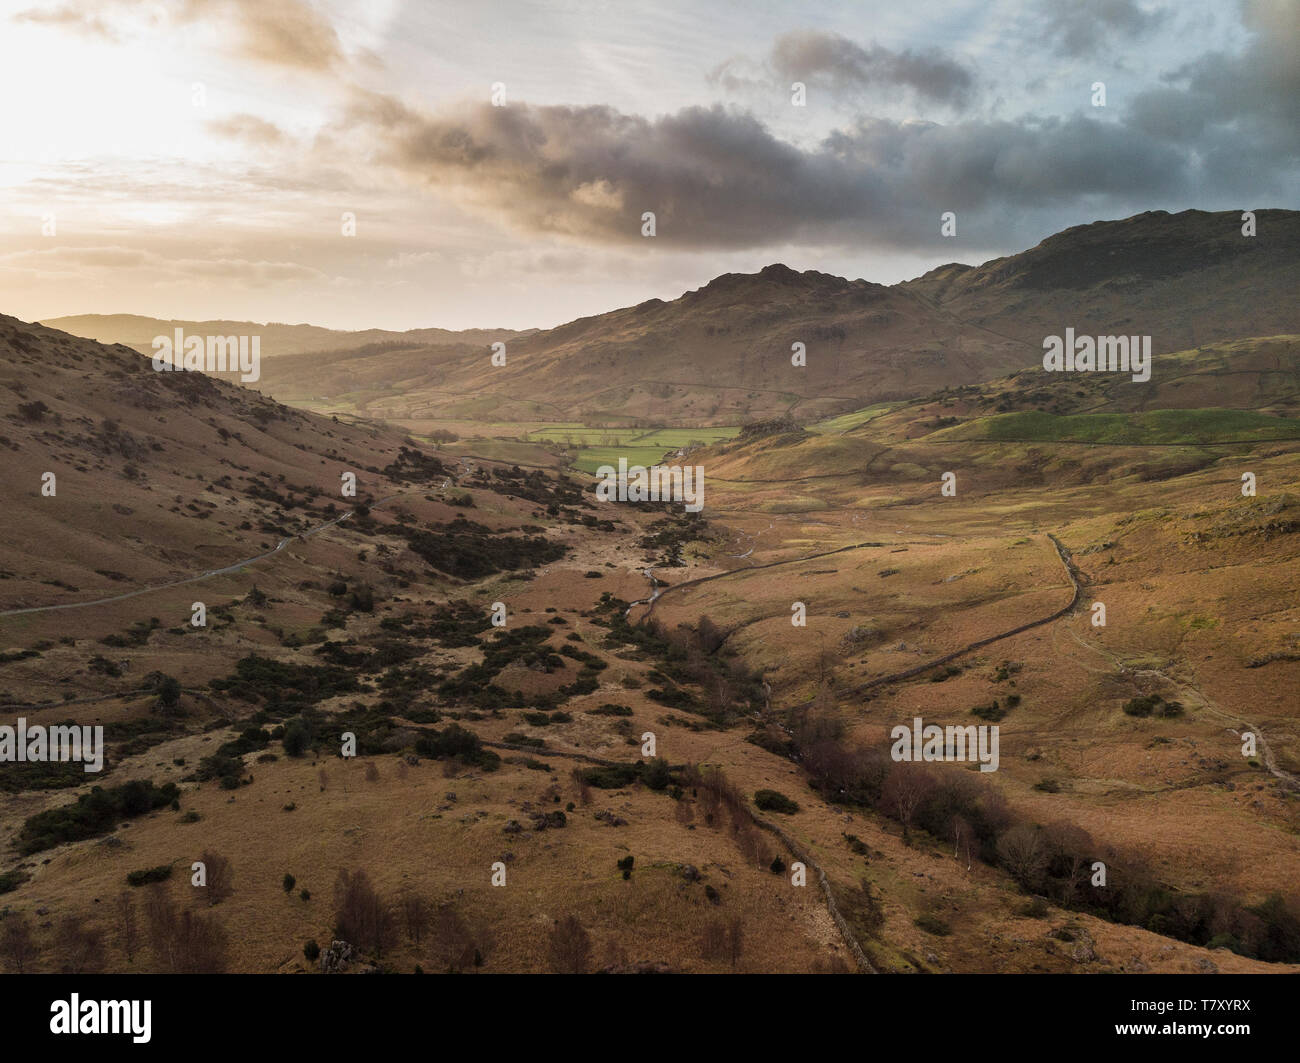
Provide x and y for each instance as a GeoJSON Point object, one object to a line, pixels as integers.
{"type": "Point", "coordinates": [200, 159]}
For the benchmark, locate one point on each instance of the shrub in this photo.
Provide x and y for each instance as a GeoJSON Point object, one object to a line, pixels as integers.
{"type": "Point", "coordinates": [1151, 705]}
{"type": "Point", "coordinates": [297, 737]}
{"type": "Point", "coordinates": [932, 924]}
{"type": "Point", "coordinates": [92, 814]}
{"type": "Point", "coordinates": [657, 774]}
{"type": "Point", "coordinates": [153, 874]}
{"type": "Point", "coordinates": [288, 882]}
{"type": "Point", "coordinates": [311, 950]}
{"type": "Point", "coordinates": [1035, 909]}
{"type": "Point", "coordinates": [773, 801]}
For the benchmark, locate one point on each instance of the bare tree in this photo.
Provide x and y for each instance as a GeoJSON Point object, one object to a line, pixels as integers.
{"type": "Point", "coordinates": [17, 943]}
{"type": "Point", "coordinates": [183, 942]}
{"type": "Point", "coordinates": [361, 916]}
{"type": "Point", "coordinates": [200, 946]}
{"type": "Point", "coordinates": [963, 838]}
{"type": "Point", "coordinates": [415, 913]}
{"type": "Point", "coordinates": [1068, 853]}
{"type": "Point", "coordinates": [219, 876]}
{"type": "Point", "coordinates": [735, 940]}
{"type": "Point", "coordinates": [569, 946]}
{"type": "Point", "coordinates": [128, 928]}
{"type": "Point", "coordinates": [455, 945]}
{"type": "Point", "coordinates": [904, 790]}
{"type": "Point", "coordinates": [584, 790]}
{"type": "Point", "coordinates": [1024, 854]}
{"type": "Point", "coordinates": [81, 946]}
{"type": "Point", "coordinates": [160, 919]}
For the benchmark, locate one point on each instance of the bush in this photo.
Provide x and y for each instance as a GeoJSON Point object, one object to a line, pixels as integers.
{"type": "Point", "coordinates": [97, 812]}
{"type": "Point", "coordinates": [773, 801]}
{"type": "Point", "coordinates": [1153, 705]}
{"type": "Point", "coordinates": [297, 737]}
{"type": "Point", "coordinates": [311, 950]}
{"type": "Point", "coordinates": [288, 882]}
{"type": "Point", "coordinates": [657, 774]}
{"type": "Point", "coordinates": [153, 874]}
{"type": "Point", "coordinates": [1035, 909]}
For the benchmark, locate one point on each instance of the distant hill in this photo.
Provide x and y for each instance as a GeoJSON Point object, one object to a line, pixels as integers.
{"type": "Point", "coordinates": [277, 340]}
{"type": "Point", "coordinates": [721, 354]}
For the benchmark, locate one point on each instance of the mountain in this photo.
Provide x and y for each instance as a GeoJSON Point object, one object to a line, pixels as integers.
{"type": "Point", "coordinates": [1184, 279]}
{"type": "Point", "coordinates": [277, 340]}
{"type": "Point", "coordinates": [721, 354]}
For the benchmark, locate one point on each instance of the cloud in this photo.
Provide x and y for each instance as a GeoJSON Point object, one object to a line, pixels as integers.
{"type": "Point", "coordinates": [250, 129]}
{"type": "Point", "coordinates": [718, 178]}
{"type": "Point", "coordinates": [287, 33]}
{"type": "Point", "coordinates": [1083, 28]}
{"type": "Point", "coordinates": [282, 33]}
{"type": "Point", "coordinates": [69, 16]}
{"type": "Point", "coordinates": [849, 70]}
{"type": "Point", "coordinates": [87, 261]}
{"type": "Point", "coordinates": [1242, 112]}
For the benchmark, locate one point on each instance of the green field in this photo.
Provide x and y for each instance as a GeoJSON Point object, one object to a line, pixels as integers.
{"type": "Point", "coordinates": [594, 447]}
{"type": "Point", "coordinates": [846, 421]}
{"type": "Point", "coordinates": [1182, 427]}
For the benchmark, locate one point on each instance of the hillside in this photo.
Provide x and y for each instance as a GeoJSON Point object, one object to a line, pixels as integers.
{"type": "Point", "coordinates": [522, 747]}
{"type": "Point", "coordinates": [720, 355]}
{"type": "Point", "coordinates": [1184, 279]}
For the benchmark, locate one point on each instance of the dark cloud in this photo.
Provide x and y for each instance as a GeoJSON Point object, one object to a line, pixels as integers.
{"type": "Point", "coordinates": [718, 178]}
{"type": "Point", "coordinates": [849, 70]}
{"type": "Point", "coordinates": [1259, 86]}
{"type": "Point", "coordinates": [1240, 113]}
{"type": "Point", "coordinates": [1083, 28]}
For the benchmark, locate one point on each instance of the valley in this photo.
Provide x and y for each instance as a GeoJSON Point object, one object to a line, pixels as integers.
{"type": "Point", "coordinates": [676, 708]}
